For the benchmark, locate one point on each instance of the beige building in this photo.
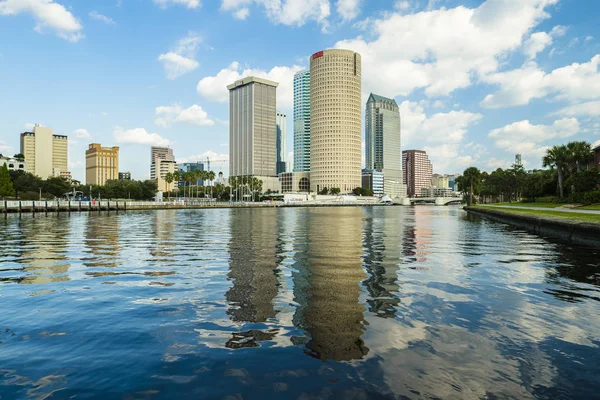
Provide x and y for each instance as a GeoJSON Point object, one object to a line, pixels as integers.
{"type": "Point", "coordinates": [161, 153]}
{"type": "Point", "coordinates": [101, 164]}
{"type": "Point", "coordinates": [253, 130]}
{"type": "Point", "coordinates": [46, 154]}
{"type": "Point", "coordinates": [335, 120]}
{"type": "Point", "coordinates": [159, 170]}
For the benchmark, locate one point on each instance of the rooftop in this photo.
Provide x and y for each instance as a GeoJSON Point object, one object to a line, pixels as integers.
{"type": "Point", "coordinates": [379, 98]}
{"type": "Point", "coordinates": [251, 79]}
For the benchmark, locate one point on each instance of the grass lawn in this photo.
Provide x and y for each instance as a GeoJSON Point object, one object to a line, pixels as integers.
{"type": "Point", "coordinates": [518, 204]}
{"type": "Point", "coordinates": [555, 214]}
{"type": "Point", "coordinates": [591, 207]}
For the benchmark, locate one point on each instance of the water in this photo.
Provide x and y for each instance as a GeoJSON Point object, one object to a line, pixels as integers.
{"type": "Point", "coordinates": [332, 303]}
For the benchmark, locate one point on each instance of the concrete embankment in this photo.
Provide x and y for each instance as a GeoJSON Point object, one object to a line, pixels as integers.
{"type": "Point", "coordinates": [584, 233]}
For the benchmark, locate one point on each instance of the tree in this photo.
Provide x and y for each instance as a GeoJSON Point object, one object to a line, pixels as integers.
{"type": "Point", "coordinates": [6, 186]}
{"type": "Point", "coordinates": [19, 157]}
{"type": "Point", "coordinates": [335, 191]}
{"type": "Point", "coordinates": [169, 180]}
{"type": "Point", "coordinates": [211, 177]}
{"type": "Point", "coordinates": [586, 181]}
{"type": "Point", "coordinates": [558, 157]}
{"type": "Point", "coordinates": [470, 183]}
{"type": "Point", "coordinates": [323, 191]}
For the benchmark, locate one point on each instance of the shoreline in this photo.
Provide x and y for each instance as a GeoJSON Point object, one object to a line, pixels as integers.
{"type": "Point", "coordinates": [575, 232]}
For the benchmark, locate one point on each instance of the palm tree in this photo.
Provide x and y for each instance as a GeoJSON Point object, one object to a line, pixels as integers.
{"type": "Point", "coordinates": [471, 181]}
{"type": "Point", "coordinates": [211, 177]}
{"type": "Point", "coordinates": [176, 176]}
{"type": "Point", "coordinates": [169, 180]}
{"type": "Point", "coordinates": [580, 154]}
{"type": "Point", "coordinates": [558, 157]}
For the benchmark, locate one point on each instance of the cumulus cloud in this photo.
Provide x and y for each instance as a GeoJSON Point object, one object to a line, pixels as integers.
{"type": "Point", "coordinates": [525, 138]}
{"type": "Point", "coordinates": [216, 159]}
{"type": "Point", "coordinates": [242, 13]}
{"type": "Point", "coordinates": [167, 115]}
{"type": "Point", "coordinates": [139, 136]}
{"type": "Point", "coordinates": [518, 87]}
{"type": "Point", "coordinates": [186, 3]}
{"type": "Point", "coordinates": [99, 17]}
{"type": "Point", "coordinates": [5, 149]}
{"type": "Point", "coordinates": [214, 88]}
{"type": "Point", "coordinates": [348, 9]}
{"type": "Point", "coordinates": [286, 12]}
{"type": "Point", "coordinates": [445, 49]}
{"type": "Point", "coordinates": [49, 16]}
{"type": "Point", "coordinates": [181, 59]}
{"type": "Point", "coordinates": [589, 109]}
{"type": "Point", "coordinates": [82, 134]}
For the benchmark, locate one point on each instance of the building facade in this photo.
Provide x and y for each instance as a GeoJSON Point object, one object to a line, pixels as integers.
{"type": "Point", "coordinates": [440, 181]}
{"type": "Point", "coordinates": [253, 130]}
{"type": "Point", "coordinates": [13, 164]}
{"type": "Point", "coordinates": [382, 142]}
{"type": "Point", "coordinates": [281, 141]}
{"type": "Point", "coordinates": [190, 167]}
{"type": "Point", "coordinates": [46, 154]}
{"type": "Point", "coordinates": [124, 176]}
{"type": "Point", "coordinates": [101, 164]}
{"type": "Point", "coordinates": [417, 171]}
{"type": "Point", "coordinates": [302, 121]}
{"type": "Point", "coordinates": [294, 182]}
{"type": "Point", "coordinates": [335, 120]}
{"type": "Point", "coordinates": [164, 153]}
{"type": "Point", "coordinates": [373, 180]}
{"type": "Point", "coordinates": [597, 157]}
{"type": "Point", "coordinates": [159, 169]}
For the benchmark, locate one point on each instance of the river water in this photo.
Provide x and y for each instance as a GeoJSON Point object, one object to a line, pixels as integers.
{"type": "Point", "coordinates": [294, 303]}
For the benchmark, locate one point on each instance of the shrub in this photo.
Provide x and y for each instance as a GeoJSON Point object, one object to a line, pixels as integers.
{"type": "Point", "coordinates": [547, 199]}
{"type": "Point", "coordinates": [591, 197]}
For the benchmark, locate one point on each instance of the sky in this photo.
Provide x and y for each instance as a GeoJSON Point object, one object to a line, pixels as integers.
{"type": "Point", "coordinates": [476, 81]}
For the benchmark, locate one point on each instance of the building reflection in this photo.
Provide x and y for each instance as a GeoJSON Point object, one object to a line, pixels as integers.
{"type": "Point", "coordinates": [381, 242]}
{"type": "Point", "coordinates": [163, 228]}
{"type": "Point", "coordinates": [253, 265]}
{"type": "Point", "coordinates": [326, 284]}
{"type": "Point", "coordinates": [44, 249]}
{"type": "Point", "coordinates": [102, 240]}
{"type": "Point", "coordinates": [417, 237]}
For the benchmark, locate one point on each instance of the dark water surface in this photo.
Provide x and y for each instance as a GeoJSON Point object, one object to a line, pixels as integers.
{"type": "Point", "coordinates": [331, 303]}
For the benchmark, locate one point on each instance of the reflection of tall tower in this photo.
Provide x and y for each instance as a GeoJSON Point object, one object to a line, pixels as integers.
{"type": "Point", "coordinates": [328, 282]}
{"type": "Point", "coordinates": [102, 240]}
{"type": "Point", "coordinates": [382, 258]}
{"type": "Point", "coordinates": [253, 251]}
{"type": "Point", "coordinates": [163, 228]}
{"type": "Point", "coordinates": [44, 249]}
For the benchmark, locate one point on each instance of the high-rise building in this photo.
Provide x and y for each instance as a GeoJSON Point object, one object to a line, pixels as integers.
{"type": "Point", "coordinates": [281, 141]}
{"type": "Point", "coordinates": [373, 180]}
{"type": "Point", "coordinates": [101, 164]}
{"type": "Point", "coordinates": [382, 142]}
{"type": "Point", "coordinates": [159, 169]}
{"type": "Point", "coordinates": [124, 176]}
{"type": "Point", "coordinates": [253, 130]}
{"type": "Point", "coordinates": [190, 167]}
{"type": "Point", "coordinates": [164, 153]}
{"type": "Point", "coordinates": [417, 171]}
{"type": "Point", "coordinates": [335, 120]}
{"type": "Point", "coordinates": [45, 152]}
{"type": "Point", "coordinates": [302, 121]}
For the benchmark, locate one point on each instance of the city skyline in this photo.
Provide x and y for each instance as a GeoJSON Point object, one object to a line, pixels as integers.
{"type": "Point", "coordinates": [130, 85]}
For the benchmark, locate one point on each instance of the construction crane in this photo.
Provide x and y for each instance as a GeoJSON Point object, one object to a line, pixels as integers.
{"type": "Point", "coordinates": [214, 161]}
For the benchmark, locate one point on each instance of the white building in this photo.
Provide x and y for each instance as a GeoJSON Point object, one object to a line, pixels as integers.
{"type": "Point", "coordinates": [12, 164]}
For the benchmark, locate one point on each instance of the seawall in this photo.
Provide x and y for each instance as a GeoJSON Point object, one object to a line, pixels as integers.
{"type": "Point", "coordinates": [583, 233]}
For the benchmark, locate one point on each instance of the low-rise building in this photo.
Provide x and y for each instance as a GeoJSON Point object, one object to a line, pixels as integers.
{"type": "Point", "coordinates": [597, 157]}
{"type": "Point", "coordinates": [13, 164]}
{"type": "Point", "coordinates": [124, 176]}
{"type": "Point", "coordinates": [294, 182]}
{"type": "Point", "coordinates": [373, 180]}
{"type": "Point", "coordinates": [437, 192]}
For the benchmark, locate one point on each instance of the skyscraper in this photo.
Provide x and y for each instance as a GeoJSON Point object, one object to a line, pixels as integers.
{"type": "Point", "coordinates": [253, 130]}
{"type": "Point", "coordinates": [335, 120]}
{"type": "Point", "coordinates": [382, 143]}
{"type": "Point", "coordinates": [45, 152]}
{"type": "Point", "coordinates": [164, 153]}
{"type": "Point", "coordinates": [281, 141]}
{"type": "Point", "coordinates": [101, 164]}
{"type": "Point", "coordinates": [302, 121]}
{"type": "Point", "coordinates": [163, 163]}
{"type": "Point", "coordinates": [417, 171]}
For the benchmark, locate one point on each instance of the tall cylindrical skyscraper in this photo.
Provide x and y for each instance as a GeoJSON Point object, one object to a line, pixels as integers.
{"type": "Point", "coordinates": [335, 120]}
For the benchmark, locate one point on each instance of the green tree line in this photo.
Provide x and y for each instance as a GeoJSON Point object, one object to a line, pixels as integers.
{"type": "Point", "coordinates": [571, 178]}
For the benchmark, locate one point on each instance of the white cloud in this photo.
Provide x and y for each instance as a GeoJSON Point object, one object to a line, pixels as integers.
{"type": "Point", "coordinates": [590, 108]}
{"type": "Point", "coordinates": [537, 42]}
{"type": "Point", "coordinates": [242, 13]}
{"type": "Point", "coordinates": [524, 138]}
{"type": "Point", "coordinates": [99, 17]}
{"type": "Point", "coordinates": [29, 126]}
{"type": "Point", "coordinates": [348, 9]}
{"type": "Point", "coordinates": [588, 38]}
{"type": "Point", "coordinates": [215, 158]}
{"type": "Point", "coordinates": [82, 134]}
{"type": "Point", "coordinates": [180, 60]}
{"type": "Point", "coordinates": [520, 86]}
{"type": "Point", "coordinates": [139, 136]}
{"type": "Point", "coordinates": [166, 115]}
{"type": "Point", "coordinates": [287, 12]}
{"type": "Point", "coordinates": [595, 144]}
{"type": "Point", "coordinates": [402, 5]}
{"type": "Point", "coordinates": [445, 49]}
{"type": "Point", "coordinates": [214, 88]}
{"type": "Point", "coordinates": [48, 15]}
{"type": "Point", "coordinates": [187, 3]}
{"type": "Point", "coordinates": [494, 163]}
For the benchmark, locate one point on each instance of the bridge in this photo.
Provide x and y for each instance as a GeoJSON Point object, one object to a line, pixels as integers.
{"type": "Point", "coordinates": [438, 201]}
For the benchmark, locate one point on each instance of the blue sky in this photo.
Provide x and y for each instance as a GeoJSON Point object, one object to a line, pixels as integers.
{"type": "Point", "coordinates": [476, 81]}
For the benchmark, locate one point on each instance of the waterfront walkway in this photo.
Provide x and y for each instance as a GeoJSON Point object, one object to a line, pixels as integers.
{"type": "Point", "coordinates": [558, 209]}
